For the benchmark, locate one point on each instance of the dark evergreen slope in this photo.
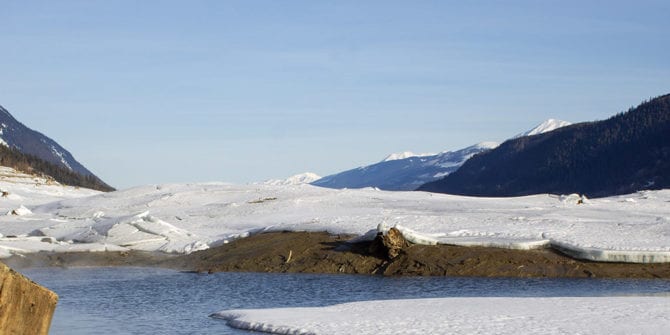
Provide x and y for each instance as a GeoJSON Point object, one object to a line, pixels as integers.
{"type": "Point", "coordinates": [626, 153]}
{"type": "Point", "coordinates": [33, 165]}
{"type": "Point", "coordinates": [32, 152]}
{"type": "Point", "coordinates": [15, 134]}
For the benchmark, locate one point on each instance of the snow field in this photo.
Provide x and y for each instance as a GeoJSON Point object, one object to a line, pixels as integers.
{"type": "Point", "coordinates": [182, 218]}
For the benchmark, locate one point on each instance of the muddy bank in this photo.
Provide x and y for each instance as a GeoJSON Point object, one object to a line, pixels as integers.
{"type": "Point", "coordinates": [300, 252]}
{"type": "Point", "coordinates": [324, 253]}
{"type": "Point", "coordinates": [84, 259]}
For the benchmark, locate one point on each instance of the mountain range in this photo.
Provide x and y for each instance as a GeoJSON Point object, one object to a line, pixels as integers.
{"type": "Point", "coordinates": [623, 154]}
{"type": "Point", "coordinates": [406, 171]}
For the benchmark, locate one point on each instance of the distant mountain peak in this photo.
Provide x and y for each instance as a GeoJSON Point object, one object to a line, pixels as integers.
{"type": "Point", "coordinates": [544, 127]}
{"type": "Point", "coordinates": [406, 170]}
{"type": "Point", "coordinates": [302, 178]}
{"type": "Point", "coordinates": [403, 155]}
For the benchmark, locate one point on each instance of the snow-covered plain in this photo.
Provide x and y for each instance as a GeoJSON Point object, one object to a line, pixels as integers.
{"type": "Point", "coordinates": [583, 315]}
{"type": "Point", "coordinates": [182, 218]}
{"type": "Point", "coordinates": [20, 192]}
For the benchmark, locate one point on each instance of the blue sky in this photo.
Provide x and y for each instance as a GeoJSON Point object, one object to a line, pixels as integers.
{"type": "Point", "coordinates": [180, 91]}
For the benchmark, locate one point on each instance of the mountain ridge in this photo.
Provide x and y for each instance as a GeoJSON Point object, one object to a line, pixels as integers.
{"type": "Point", "coordinates": [623, 154]}
{"type": "Point", "coordinates": [33, 152]}
{"type": "Point", "coordinates": [406, 171]}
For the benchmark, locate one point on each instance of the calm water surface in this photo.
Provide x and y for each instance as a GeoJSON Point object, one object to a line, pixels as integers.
{"type": "Point", "coordinates": [159, 301]}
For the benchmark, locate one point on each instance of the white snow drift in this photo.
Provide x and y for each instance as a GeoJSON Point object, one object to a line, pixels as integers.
{"type": "Point", "coordinates": [586, 315]}
{"type": "Point", "coordinates": [181, 218]}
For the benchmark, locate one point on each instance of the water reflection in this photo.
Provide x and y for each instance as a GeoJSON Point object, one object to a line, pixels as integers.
{"type": "Point", "coordinates": [159, 301]}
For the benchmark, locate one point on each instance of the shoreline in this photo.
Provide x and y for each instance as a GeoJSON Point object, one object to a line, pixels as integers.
{"type": "Point", "coordinates": [320, 252]}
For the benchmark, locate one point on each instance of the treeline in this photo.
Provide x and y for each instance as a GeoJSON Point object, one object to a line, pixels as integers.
{"type": "Point", "coordinates": [626, 153]}
{"type": "Point", "coordinates": [33, 165]}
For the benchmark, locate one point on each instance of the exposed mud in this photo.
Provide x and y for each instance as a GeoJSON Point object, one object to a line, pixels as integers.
{"type": "Point", "coordinates": [325, 253]}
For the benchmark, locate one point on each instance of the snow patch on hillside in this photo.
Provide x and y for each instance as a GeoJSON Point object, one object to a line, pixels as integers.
{"type": "Point", "coordinates": [61, 156]}
{"type": "Point", "coordinates": [404, 155]}
{"type": "Point", "coordinates": [2, 132]}
{"type": "Point", "coordinates": [486, 145]}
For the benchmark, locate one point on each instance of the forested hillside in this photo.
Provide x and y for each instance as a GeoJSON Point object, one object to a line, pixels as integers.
{"type": "Point", "coordinates": [623, 154]}
{"type": "Point", "coordinates": [34, 165]}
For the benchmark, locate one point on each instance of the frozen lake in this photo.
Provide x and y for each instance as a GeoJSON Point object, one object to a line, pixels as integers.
{"type": "Point", "coordinates": [159, 301]}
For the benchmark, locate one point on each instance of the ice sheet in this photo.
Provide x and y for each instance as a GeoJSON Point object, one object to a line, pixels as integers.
{"type": "Point", "coordinates": [584, 315]}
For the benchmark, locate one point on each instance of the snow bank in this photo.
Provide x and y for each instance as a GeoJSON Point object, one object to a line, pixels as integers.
{"type": "Point", "coordinates": [585, 315]}
{"type": "Point", "coordinates": [137, 232]}
{"type": "Point", "coordinates": [182, 218]}
{"type": "Point", "coordinates": [619, 256]}
{"type": "Point", "coordinates": [512, 242]}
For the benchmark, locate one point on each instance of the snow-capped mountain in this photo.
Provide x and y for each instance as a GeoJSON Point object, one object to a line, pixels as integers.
{"type": "Point", "coordinates": [299, 179]}
{"type": "Point", "coordinates": [403, 174]}
{"type": "Point", "coordinates": [406, 171]}
{"type": "Point", "coordinates": [15, 135]}
{"type": "Point", "coordinates": [544, 127]}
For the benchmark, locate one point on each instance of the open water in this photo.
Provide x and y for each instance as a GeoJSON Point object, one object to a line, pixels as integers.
{"type": "Point", "coordinates": [160, 301]}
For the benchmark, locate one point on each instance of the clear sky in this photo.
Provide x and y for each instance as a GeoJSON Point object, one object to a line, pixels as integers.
{"type": "Point", "coordinates": [178, 91]}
